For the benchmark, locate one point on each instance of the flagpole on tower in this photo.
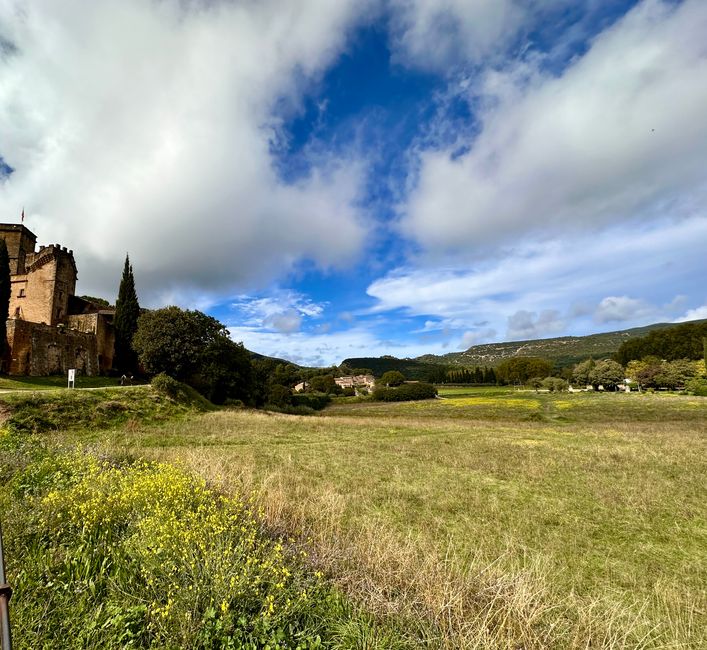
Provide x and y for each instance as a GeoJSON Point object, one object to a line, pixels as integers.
{"type": "Point", "coordinates": [22, 219]}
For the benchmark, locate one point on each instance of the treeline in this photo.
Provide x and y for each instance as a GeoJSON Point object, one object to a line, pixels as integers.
{"type": "Point", "coordinates": [412, 369]}
{"type": "Point", "coordinates": [684, 341]}
{"type": "Point", "coordinates": [476, 375]}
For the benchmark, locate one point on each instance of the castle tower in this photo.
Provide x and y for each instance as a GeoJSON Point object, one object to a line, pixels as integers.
{"type": "Point", "coordinates": [20, 242]}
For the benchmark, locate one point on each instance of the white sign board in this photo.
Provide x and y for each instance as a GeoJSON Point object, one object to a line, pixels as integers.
{"type": "Point", "coordinates": [72, 377]}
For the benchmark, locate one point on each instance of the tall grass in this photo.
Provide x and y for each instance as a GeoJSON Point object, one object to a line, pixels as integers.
{"type": "Point", "coordinates": [130, 554]}
{"type": "Point", "coordinates": [492, 530]}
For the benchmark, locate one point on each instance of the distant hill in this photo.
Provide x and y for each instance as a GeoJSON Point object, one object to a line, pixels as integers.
{"type": "Point", "coordinates": [562, 350]}
{"type": "Point", "coordinates": [411, 368]}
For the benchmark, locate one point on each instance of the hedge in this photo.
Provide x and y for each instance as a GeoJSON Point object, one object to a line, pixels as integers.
{"type": "Point", "coordinates": [405, 393]}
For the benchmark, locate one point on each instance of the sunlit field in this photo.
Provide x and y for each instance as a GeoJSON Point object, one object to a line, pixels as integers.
{"type": "Point", "coordinates": [486, 518]}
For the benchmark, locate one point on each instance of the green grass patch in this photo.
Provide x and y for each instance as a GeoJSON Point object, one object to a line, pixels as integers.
{"type": "Point", "coordinates": [128, 554]}
{"type": "Point", "coordinates": [586, 527]}
{"type": "Point", "coordinates": [61, 410]}
{"type": "Point", "coordinates": [55, 381]}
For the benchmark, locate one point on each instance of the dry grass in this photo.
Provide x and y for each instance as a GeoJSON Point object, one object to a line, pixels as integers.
{"type": "Point", "coordinates": [478, 528]}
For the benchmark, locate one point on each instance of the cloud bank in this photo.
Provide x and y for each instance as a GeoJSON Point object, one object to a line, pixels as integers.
{"type": "Point", "coordinates": [618, 136]}
{"type": "Point", "coordinates": [152, 127]}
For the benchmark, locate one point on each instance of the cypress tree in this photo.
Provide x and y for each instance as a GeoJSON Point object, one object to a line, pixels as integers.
{"type": "Point", "coordinates": [127, 311]}
{"type": "Point", "coordinates": [5, 288]}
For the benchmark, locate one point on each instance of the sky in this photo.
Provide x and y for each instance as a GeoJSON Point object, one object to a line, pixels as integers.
{"type": "Point", "coordinates": [367, 177]}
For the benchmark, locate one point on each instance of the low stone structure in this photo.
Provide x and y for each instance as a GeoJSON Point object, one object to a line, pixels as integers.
{"type": "Point", "coordinates": [50, 329]}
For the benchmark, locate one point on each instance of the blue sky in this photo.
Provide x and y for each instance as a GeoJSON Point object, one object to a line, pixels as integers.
{"type": "Point", "coordinates": [373, 177]}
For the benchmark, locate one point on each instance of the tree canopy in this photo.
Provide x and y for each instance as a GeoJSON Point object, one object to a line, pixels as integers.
{"type": "Point", "coordinates": [520, 369]}
{"type": "Point", "coordinates": [683, 341]}
{"type": "Point", "coordinates": [196, 349]}
{"type": "Point", "coordinates": [127, 312]}
{"type": "Point", "coordinates": [392, 378]}
{"type": "Point", "coordinates": [607, 373]}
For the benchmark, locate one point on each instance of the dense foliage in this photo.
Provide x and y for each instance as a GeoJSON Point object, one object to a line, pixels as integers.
{"type": "Point", "coordinates": [607, 373]}
{"type": "Point", "coordinates": [411, 368]}
{"type": "Point", "coordinates": [405, 393]}
{"type": "Point", "coordinates": [391, 378]}
{"type": "Point", "coordinates": [683, 341]}
{"type": "Point", "coordinates": [652, 372]}
{"type": "Point", "coordinates": [127, 312]}
{"type": "Point", "coordinates": [519, 369]}
{"type": "Point", "coordinates": [196, 349]}
{"type": "Point", "coordinates": [476, 375]}
{"type": "Point", "coordinates": [5, 290]}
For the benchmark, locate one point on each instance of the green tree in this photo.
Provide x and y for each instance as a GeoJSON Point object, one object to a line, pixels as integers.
{"type": "Point", "coordinates": [324, 384]}
{"type": "Point", "coordinates": [5, 288]}
{"type": "Point", "coordinates": [127, 312]}
{"type": "Point", "coordinates": [519, 369]}
{"type": "Point", "coordinates": [607, 373]}
{"type": "Point", "coordinates": [581, 372]}
{"type": "Point", "coordinates": [196, 349]}
{"type": "Point", "coordinates": [392, 378]}
{"type": "Point", "coordinates": [554, 384]}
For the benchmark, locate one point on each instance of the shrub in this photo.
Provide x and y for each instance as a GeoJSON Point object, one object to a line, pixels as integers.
{"type": "Point", "coordinates": [179, 392]}
{"type": "Point", "coordinates": [316, 401]}
{"type": "Point", "coordinates": [697, 386]}
{"type": "Point", "coordinates": [554, 384]}
{"type": "Point", "coordinates": [405, 393]}
{"type": "Point", "coordinates": [392, 378]}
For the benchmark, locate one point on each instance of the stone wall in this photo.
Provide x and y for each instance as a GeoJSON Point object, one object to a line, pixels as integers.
{"type": "Point", "coordinates": [101, 325]}
{"type": "Point", "coordinates": [40, 350]}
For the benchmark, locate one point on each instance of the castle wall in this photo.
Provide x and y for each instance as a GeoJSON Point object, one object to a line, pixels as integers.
{"type": "Point", "coordinates": [40, 350]}
{"type": "Point", "coordinates": [42, 281]}
{"type": "Point", "coordinates": [101, 326]}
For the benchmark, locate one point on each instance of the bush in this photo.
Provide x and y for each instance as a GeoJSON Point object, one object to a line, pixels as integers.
{"type": "Point", "coordinates": [697, 387]}
{"type": "Point", "coordinates": [179, 392]}
{"type": "Point", "coordinates": [316, 401]}
{"type": "Point", "coordinates": [279, 395]}
{"type": "Point", "coordinates": [405, 393]}
{"type": "Point", "coordinates": [392, 378]}
{"type": "Point", "coordinates": [554, 384]}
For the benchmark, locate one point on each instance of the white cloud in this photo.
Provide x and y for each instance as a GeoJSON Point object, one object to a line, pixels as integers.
{"type": "Point", "coordinates": [323, 349]}
{"type": "Point", "coordinates": [648, 263]}
{"type": "Point", "coordinates": [619, 136]}
{"type": "Point", "coordinates": [286, 322]}
{"type": "Point", "coordinates": [148, 127]}
{"type": "Point", "coordinates": [282, 310]}
{"type": "Point", "coordinates": [529, 325]}
{"type": "Point", "coordinates": [436, 33]}
{"type": "Point", "coordinates": [620, 309]}
{"type": "Point", "coordinates": [699, 313]}
{"type": "Point", "coordinates": [475, 337]}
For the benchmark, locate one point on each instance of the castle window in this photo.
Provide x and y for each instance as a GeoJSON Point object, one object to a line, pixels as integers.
{"type": "Point", "coordinates": [22, 293]}
{"type": "Point", "coordinates": [17, 312]}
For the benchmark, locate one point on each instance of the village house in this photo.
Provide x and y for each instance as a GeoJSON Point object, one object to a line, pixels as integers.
{"type": "Point", "coordinates": [50, 329]}
{"type": "Point", "coordinates": [356, 381]}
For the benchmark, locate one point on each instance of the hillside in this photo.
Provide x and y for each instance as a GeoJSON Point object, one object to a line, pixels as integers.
{"type": "Point", "coordinates": [563, 350]}
{"type": "Point", "coordinates": [416, 369]}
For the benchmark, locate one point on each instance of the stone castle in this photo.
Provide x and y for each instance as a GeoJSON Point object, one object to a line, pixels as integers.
{"type": "Point", "coordinates": [49, 329]}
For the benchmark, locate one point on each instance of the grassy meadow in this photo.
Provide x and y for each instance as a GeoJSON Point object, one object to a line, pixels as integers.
{"type": "Point", "coordinates": [490, 518]}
